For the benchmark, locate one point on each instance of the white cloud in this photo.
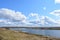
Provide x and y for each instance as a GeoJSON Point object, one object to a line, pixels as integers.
{"type": "Point", "coordinates": [45, 20]}
{"type": "Point", "coordinates": [5, 23]}
{"type": "Point", "coordinates": [42, 20]}
{"type": "Point", "coordinates": [55, 12]}
{"type": "Point", "coordinates": [57, 1]}
{"type": "Point", "coordinates": [33, 19]}
{"type": "Point", "coordinates": [11, 15]}
{"type": "Point", "coordinates": [34, 16]}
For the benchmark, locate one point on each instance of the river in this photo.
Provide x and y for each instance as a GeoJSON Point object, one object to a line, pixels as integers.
{"type": "Point", "coordinates": [53, 33]}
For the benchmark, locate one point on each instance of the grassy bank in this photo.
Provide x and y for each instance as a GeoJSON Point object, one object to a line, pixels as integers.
{"type": "Point", "coordinates": [15, 35]}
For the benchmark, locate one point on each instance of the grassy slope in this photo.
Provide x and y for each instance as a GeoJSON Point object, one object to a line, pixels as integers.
{"type": "Point", "coordinates": [14, 35]}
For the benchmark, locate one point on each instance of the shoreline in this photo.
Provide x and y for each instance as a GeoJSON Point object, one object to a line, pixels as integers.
{"type": "Point", "coordinates": [19, 35]}
{"type": "Point", "coordinates": [50, 37]}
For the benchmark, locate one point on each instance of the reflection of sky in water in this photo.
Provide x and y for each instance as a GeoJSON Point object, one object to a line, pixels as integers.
{"type": "Point", "coordinates": [54, 33]}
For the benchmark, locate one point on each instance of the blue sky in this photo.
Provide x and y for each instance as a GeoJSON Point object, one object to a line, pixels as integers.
{"type": "Point", "coordinates": [28, 6]}
{"type": "Point", "coordinates": [32, 11]}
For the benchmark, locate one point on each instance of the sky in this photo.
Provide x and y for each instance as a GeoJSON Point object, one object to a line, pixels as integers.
{"type": "Point", "coordinates": [30, 13]}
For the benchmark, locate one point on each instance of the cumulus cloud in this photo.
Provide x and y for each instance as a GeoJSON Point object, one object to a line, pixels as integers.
{"type": "Point", "coordinates": [41, 20]}
{"type": "Point", "coordinates": [57, 1]}
{"type": "Point", "coordinates": [55, 12]}
{"type": "Point", "coordinates": [5, 23]}
{"type": "Point", "coordinates": [45, 20]}
{"type": "Point", "coordinates": [34, 16]}
{"type": "Point", "coordinates": [11, 15]}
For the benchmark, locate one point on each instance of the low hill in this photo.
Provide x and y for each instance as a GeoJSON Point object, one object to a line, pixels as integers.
{"type": "Point", "coordinates": [6, 34]}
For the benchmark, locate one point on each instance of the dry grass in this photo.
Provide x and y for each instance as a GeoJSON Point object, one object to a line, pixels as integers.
{"type": "Point", "coordinates": [15, 35]}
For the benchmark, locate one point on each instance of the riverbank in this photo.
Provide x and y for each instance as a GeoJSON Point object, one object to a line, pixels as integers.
{"type": "Point", "coordinates": [6, 34]}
